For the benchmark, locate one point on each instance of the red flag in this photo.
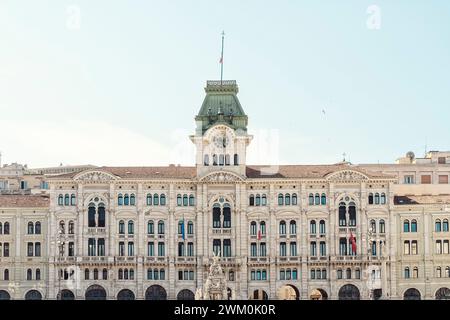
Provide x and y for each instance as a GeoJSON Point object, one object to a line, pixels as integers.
{"type": "Point", "coordinates": [259, 234]}
{"type": "Point", "coordinates": [353, 242]}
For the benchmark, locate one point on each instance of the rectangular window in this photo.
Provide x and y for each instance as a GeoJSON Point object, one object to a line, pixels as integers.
{"type": "Point", "coordinates": [313, 249]}
{"type": "Point", "coordinates": [443, 179]}
{"type": "Point", "coordinates": [408, 179]}
{"type": "Point", "coordinates": [6, 250]}
{"type": "Point", "coordinates": [130, 249]}
{"type": "Point", "coordinates": [30, 249]}
{"type": "Point", "coordinates": [23, 185]}
{"type": "Point", "coordinates": [438, 247]}
{"type": "Point", "coordinates": [293, 247]}
{"type": "Point", "coordinates": [91, 247]}
{"type": "Point", "coordinates": [425, 179]}
{"type": "Point", "coordinates": [441, 160]}
{"type": "Point", "coordinates": [323, 249]}
{"type": "Point", "coordinates": [445, 251]}
{"type": "Point", "coordinates": [406, 248]}
{"type": "Point", "coordinates": [101, 247]}
{"type": "Point", "coordinates": [283, 249]}
{"type": "Point", "coordinates": [121, 248]}
{"type": "Point", "coordinates": [343, 246]}
{"type": "Point", "coordinates": [227, 248]}
{"type": "Point", "coordinates": [161, 249]}
{"type": "Point", "coordinates": [414, 247]}
{"type": "Point", "coordinates": [253, 252]}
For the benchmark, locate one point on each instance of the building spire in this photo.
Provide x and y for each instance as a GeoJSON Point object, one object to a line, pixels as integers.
{"type": "Point", "coordinates": [221, 58]}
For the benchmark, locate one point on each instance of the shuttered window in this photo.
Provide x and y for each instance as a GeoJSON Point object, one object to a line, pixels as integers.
{"type": "Point", "coordinates": [426, 179]}
{"type": "Point", "coordinates": [443, 179]}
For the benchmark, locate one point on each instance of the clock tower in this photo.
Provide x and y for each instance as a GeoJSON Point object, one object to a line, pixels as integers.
{"type": "Point", "coordinates": [221, 137]}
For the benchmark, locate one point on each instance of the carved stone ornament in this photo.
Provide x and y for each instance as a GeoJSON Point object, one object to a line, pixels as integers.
{"type": "Point", "coordinates": [347, 175]}
{"type": "Point", "coordinates": [95, 176]}
{"type": "Point", "coordinates": [221, 177]}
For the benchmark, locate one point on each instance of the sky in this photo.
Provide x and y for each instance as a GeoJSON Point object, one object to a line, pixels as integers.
{"type": "Point", "coordinates": [107, 82]}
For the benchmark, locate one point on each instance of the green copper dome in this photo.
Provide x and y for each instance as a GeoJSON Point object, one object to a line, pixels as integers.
{"type": "Point", "coordinates": [221, 105]}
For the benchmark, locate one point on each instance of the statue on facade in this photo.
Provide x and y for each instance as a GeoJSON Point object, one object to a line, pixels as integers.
{"type": "Point", "coordinates": [215, 287]}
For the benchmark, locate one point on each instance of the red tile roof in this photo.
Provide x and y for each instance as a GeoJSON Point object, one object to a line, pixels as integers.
{"type": "Point", "coordinates": [184, 172]}
{"type": "Point", "coordinates": [24, 201]}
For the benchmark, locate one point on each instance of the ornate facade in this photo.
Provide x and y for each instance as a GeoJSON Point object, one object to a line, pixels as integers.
{"type": "Point", "coordinates": [337, 231]}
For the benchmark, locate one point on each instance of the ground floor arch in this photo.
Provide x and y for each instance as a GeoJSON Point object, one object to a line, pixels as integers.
{"type": "Point", "coordinates": [411, 294]}
{"type": "Point", "coordinates": [349, 292]}
{"type": "Point", "coordinates": [33, 295]}
{"type": "Point", "coordinates": [259, 294]}
{"type": "Point", "coordinates": [66, 294]}
{"type": "Point", "coordinates": [318, 294]}
{"type": "Point", "coordinates": [185, 294]}
{"type": "Point", "coordinates": [4, 295]}
{"type": "Point", "coordinates": [288, 292]}
{"type": "Point", "coordinates": [442, 294]}
{"type": "Point", "coordinates": [155, 292]}
{"type": "Point", "coordinates": [95, 292]}
{"type": "Point", "coordinates": [126, 294]}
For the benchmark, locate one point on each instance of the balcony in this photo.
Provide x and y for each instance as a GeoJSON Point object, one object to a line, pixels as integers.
{"type": "Point", "coordinates": [288, 259]}
{"type": "Point", "coordinates": [156, 259]}
{"type": "Point", "coordinates": [188, 260]}
{"type": "Point", "coordinates": [96, 231]}
{"type": "Point", "coordinates": [257, 259]}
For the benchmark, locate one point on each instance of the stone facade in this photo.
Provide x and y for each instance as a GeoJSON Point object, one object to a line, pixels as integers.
{"type": "Point", "coordinates": [337, 231]}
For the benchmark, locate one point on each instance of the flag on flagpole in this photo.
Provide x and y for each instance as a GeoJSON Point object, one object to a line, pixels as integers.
{"type": "Point", "coordinates": [353, 242]}
{"type": "Point", "coordinates": [182, 230]}
{"type": "Point", "coordinates": [259, 234]}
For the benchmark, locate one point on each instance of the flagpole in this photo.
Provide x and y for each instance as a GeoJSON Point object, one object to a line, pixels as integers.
{"type": "Point", "coordinates": [221, 59]}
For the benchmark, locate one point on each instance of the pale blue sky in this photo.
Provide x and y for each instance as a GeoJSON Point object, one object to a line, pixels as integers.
{"type": "Point", "coordinates": [124, 88]}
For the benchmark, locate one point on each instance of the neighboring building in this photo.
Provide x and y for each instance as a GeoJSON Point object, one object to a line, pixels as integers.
{"type": "Point", "coordinates": [338, 231]}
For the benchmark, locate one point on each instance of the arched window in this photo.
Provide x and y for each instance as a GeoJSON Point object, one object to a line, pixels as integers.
{"type": "Point", "coordinates": [126, 200]}
{"type": "Point", "coordinates": [342, 218]}
{"type": "Point", "coordinates": [95, 274]}
{"type": "Point", "coordinates": [150, 227]}
{"type": "Point", "coordinates": [438, 272]}
{"type": "Point", "coordinates": [206, 160]}
{"type": "Point", "coordinates": [1, 228]}
{"type": "Point", "coordinates": [415, 272]}
{"type": "Point", "coordinates": [253, 228]}
{"type": "Point", "coordinates": [262, 227]}
{"type": "Point", "coordinates": [121, 227]}
{"type": "Point", "coordinates": [66, 200]}
{"type": "Point", "coordinates": [236, 159]}
{"type": "Point", "coordinates": [221, 160]}
{"type": "Point", "coordinates": [348, 273]}
{"type": "Point", "coordinates": [445, 225]}
{"type": "Point", "coordinates": [72, 200]}
{"type": "Point", "coordinates": [437, 226]}
{"type": "Point", "coordinates": [214, 159]}
{"type": "Point", "coordinates": [161, 227]}
{"type": "Point", "coordinates": [6, 274]}
{"type": "Point", "coordinates": [149, 199]}
{"type": "Point", "coordinates": [226, 216]}
{"type": "Point", "coordinates": [60, 200]}
{"type": "Point", "coordinates": [406, 226]}
{"type": "Point", "coordinates": [352, 214]}
{"type": "Point", "coordinates": [287, 199]}
{"type": "Point", "coordinates": [312, 227]}
{"type": "Point", "coordinates": [132, 200]}
{"type": "Point", "coordinates": [382, 226]}
{"type": "Point", "coordinates": [190, 228]}
{"type": "Point", "coordinates": [280, 199]}
{"type": "Point", "coordinates": [251, 200]}
{"type": "Point", "coordinates": [293, 227]}
{"type": "Point", "coordinates": [180, 226]}
{"type": "Point", "coordinates": [216, 216]}
{"type": "Point", "coordinates": [294, 199]}
{"type": "Point", "coordinates": [185, 200]}
{"type": "Point", "coordinates": [373, 226]}
{"type": "Point", "coordinates": [38, 274]}
{"type": "Point", "coordinates": [322, 228]}
{"type": "Point", "coordinates": [339, 273]}
{"type": "Point", "coordinates": [120, 199]}
{"type": "Point", "coordinates": [155, 199]}
{"type": "Point", "coordinates": [377, 198]}
{"type": "Point", "coordinates": [29, 274]}
{"type": "Point", "coordinates": [120, 274]}
{"type": "Point", "coordinates": [264, 200]}
{"type": "Point", "coordinates": [311, 199]}
{"type": "Point", "coordinates": [383, 198]}
{"type": "Point", "coordinates": [406, 273]}
{"type": "Point", "coordinates": [162, 200]}
{"type": "Point", "coordinates": [317, 199]}
{"type": "Point", "coordinates": [130, 227]}
{"type": "Point", "coordinates": [86, 274]}
{"type": "Point", "coordinates": [180, 249]}
{"type": "Point", "coordinates": [6, 228]}
{"type": "Point", "coordinates": [131, 274]}
{"type": "Point", "coordinates": [370, 198]}
{"type": "Point", "coordinates": [413, 226]}
{"type": "Point", "coordinates": [105, 274]}
{"type": "Point", "coordinates": [191, 200]}
{"type": "Point", "coordinates": [282, 228]}
{"type": "Point", "coordinates": [179, 200]}
{"type": "Point", "coordinates": [258, 200]}
{"type": "Point", "coordinates": [37, 228]}
{"type": "Point", "coordinates": [30, 228]}
{"type": "Point", "coordinates": [227, 159]}
{"type": "Point", "coordinates": [62, 227]}
{"type": "Point", "coordinates": [323, 199]}
{"type": "Point", "coordinates": [101, 215]}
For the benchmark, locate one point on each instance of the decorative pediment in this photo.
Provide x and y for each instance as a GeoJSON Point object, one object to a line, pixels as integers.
{"type": "Point", "coordinates": [222, 177]}
{"type": "Point", "coordinates": [347, 175]}
{"type": "Point", "coordinates": [95, 176]}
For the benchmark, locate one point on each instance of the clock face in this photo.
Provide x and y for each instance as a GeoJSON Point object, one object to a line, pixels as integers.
{"type": "Point", "coordinates": [221, 141]}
